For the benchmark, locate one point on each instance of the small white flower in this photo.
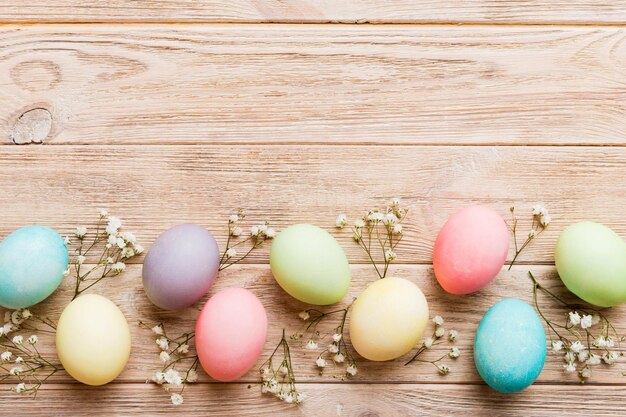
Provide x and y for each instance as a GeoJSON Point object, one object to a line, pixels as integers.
{"type": "Point", "coordinates": [428, 342]}
{"type": "Point", "coordinates": [81, 231]}
{"type": "Point", "coordinates": [569, 357]}
{"type": "Point", "coordinates": [557, 345]}
{"type": "Point", "coordinates": [33, 340]}
{"type": "Point", "coordinates": [440, 331]}
{"type": "Point", "coordinates": [397, 229]}
{"type": "Point", "coordinates": [569, 368]}
{"type": "Point", "coordinates": [454, 352]}
{"type": "Point", "coordinates": [304, 315]}
{"type": "Point", "coordinates": [138, 249]}
{"type": "Point", "coordinates": [118, 267]}
{"type": "Point", "coordinates": [66, 272]}
{"type": "Point", "coordinates": [7, 328]}
{"type": "Point", "coordinates": [351, 369]}
{"type": "Point", "coordinates": [532, 234]}
{"type": "Point", "coordinates": [311, 345]}
{"type": "Point", "coordinates": [390, 255]}
{"type": "Point", "coordinates": [159, 377]}
{"type": "Point", "coordinates": [390, 219]}
{"type": "Point", "coordinates": [270, 233]}
{"type": "Point", "coordinates": [21, 387]}
{"type": "Point", "coordinates": [336, 337]}
{"type": "Point", "coordinates": [333, 348]}
{"type": "Point", "coordinates": [6, 356]}
{"type": "Point", "coordinates": [128, 252]}
{"type": "Point", "coordinates": [339, 358]}
{"type": "Point", "coordinates": [586, 321]}
{"type": "Point", "coordinates": [545, 221]}
{"type": "Point", "coordinates": [300, 397]}
{"type": "Point", "coordinates": [438, 320]}
{"type": "Point", "coordinates": [173, 377]}
{"type": "Point", "coordinates": [164, 356]}
{"type": "Point", "coordinates": [16, 318]}
{"type": "Point", "coordinates": [289, 398]}
{"type": "Point", "coordinates": [320, 362]}
{"type": "Point", "coordinates": [236, 231]}
{"type": "Point", "coordinates": [359, 224]}
{"type": "Point", "coordinates": [594, 360]}
{"type": "Point", "coordinates": [595, 319]}
{"type": "Point", "coordinates": [341, 221]}
{"type": "Point", "coordinates": [610, 357]}
{"type": "Point", "coordinates": [67, 240]}
{"type": "Point", "coordinates": [583, 356]}
{"type": "Point", "coordinates": [574, 318]}
{"type": "Point", "coordinates": [104, 212]}
{"type": "Point", "coordinates": [121, 243]}
{"type": "Point", "coordinates": [453, 335]}
{"type": "Point", "coordinates": [283, 370]}
{"type": "Point", "coordinates": [231, 253]}
{"type": "Point", "coordinates": [112, 240]}
{"type": "Point", "coordinates": [19, 359]}
{"type": "Point", "coordinates": [443, 369]}
{"type": "Point", "coordinates": [113, 225]}
{"type": "Point", "coordinates": [18, 340]}
{"type": "Point", "coordinates": [177, 399]}
{"type": "Point", "coordinates": [233, 218]}
{"type": "Point", "coordinates": [109, 260]}
{"type": "Point", "coordinates": [586, 373]}
{"type": "Point", "coordinates": [15, 371]}
{"type": "Point", "coordinates": [80, 259]}
{"type": "Point", "coordinates": [577, 347]}
{"type": "Point", "coordinates": [163, 343]}
{"type": "Point", "coordinates": [192, 376]}
{"type": "Point", "coordinates": [184, 348]}
{"type": "Point", "coordinates": [158, 329]}
{"type": "Point", "coordinates": [254, 230]}
{"type": "Point", "coordinates": [538, 210]}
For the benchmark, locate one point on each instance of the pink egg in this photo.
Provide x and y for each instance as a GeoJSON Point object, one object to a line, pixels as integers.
{"type": "Point", "coordinates": [470, 249]}
{"type": "Point", "coordinates": [230, 333]}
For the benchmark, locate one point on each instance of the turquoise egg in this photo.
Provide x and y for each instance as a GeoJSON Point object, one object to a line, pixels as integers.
{"type": "Point", "coordinates": [32, 262]}
{"type": "Point", "coordinates": [510, 346]}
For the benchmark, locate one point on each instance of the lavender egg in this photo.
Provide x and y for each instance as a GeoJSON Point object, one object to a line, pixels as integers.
{"type": "Point", "coordinates": [180, 266]}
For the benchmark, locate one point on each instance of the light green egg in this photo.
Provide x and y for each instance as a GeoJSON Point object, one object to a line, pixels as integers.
{"type": "Point", "coordinates": [591, 261]}
{"type": "Point", "coordinates": [309, 265]}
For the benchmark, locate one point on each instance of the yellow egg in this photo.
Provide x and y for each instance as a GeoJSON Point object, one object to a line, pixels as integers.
{"type": "Point", "coordinates": [93, 340]}
{"type": "Point", "coordinates": [388, 319]}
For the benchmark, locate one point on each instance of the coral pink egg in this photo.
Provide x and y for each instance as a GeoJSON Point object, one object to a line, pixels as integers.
{"type": "Point", "coordinates": [230, 333]}
{"type": "Point", "coordinates": [470, 249]}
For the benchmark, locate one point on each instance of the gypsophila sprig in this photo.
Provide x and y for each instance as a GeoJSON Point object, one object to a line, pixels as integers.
{"type": "Point", "coordinates": [334, 348]}
{"type": "Point", "coordinates": [178, 366]}
{"type": "Point", "coordinates": [254, 239]}
{"type": "Point", "coordinates": [111, 247]}
{"type": "Point", "coordinates": [439, 336]}
{"type": "Point", "coordinates": [378, 230]}
{"type": "Point", "coordinates": [584, 336]}
{"type": "Point", "coordinates": [277, 377]}
{"type": "Point", "coordinates": [541, 220]}
{"type": "Point", "coordinates": [21, 361]}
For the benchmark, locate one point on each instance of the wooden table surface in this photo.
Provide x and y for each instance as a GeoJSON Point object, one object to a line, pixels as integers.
{"type": "Point", "coordinates": [170, 111]}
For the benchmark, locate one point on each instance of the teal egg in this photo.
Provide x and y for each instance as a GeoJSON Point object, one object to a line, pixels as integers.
{"type": "Point", "coordinates": [510, 346]}
{"type": "Point", "coordinates": [591, 261]}
{"type": "Point", "coordinates": [32, 262]}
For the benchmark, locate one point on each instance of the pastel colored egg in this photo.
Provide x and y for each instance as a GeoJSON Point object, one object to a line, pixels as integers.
{"type": "Point", "coordinates": [93, 340]}
{"type": "Point", "coordinates": [309, 264]}
{"type": "Point", "coordinates": [470, 249]}
{"type": "Point", "coordinates": [181, 266]}
{"type": "Point", "coordinates": [510, 346]}
{"type": "Point", "coordinates": [591, 261]}
{"type": "Point", "coordinates": [388, 319]}
{"type": "Point", "coordinates": [32, 262]}
{"type": "Point", "coordinates": [230, 333]}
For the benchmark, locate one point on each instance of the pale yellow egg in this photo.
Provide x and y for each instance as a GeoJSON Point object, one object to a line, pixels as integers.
{"type": "Point", "coordinates": [388, 319]}
{"type": "Point", "coordinates": [93, 340]}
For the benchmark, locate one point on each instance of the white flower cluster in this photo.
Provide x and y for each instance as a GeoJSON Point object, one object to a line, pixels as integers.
{"type": "Point", "coordinates": [541, 220]}
{"type": "Point", "coordinates": [581, 354]}
{"type": "Point", "coordinates": [542, 215]}
{"type": "Point", "coordinates": [20, 358]}
{"type": "Point", "coordinates": [258, 234]}
{"type": "Point", "coordinates": [382, 225]}
{"type": "Point", "coordinates": [438, 337]}
{"type": "Point", "coordinates": [277, 377]}
{"type": "Point", "coordinates": [174, 352]}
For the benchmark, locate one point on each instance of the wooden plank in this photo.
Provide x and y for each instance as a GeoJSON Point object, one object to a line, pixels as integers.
{"type": "Point", "coordinates": [325, 400]}
{"type": "Point", "coordinates": [462, 314]}
{"type": "Point", "coordinates": [129, 84]}
{"type": "Point", "coordinates": [316, 11]}
{"type": "Point", "coordinates": [155, 187]}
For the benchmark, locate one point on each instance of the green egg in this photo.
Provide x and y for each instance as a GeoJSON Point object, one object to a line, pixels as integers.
{"type": "Point", "coordinates": [591, 261]}
{"type": "Point", "coordinates": [309, 265]}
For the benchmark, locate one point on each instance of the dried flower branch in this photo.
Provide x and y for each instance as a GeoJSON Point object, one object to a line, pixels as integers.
{"type": "Point", "coordinates": [174, 353]}
{"type": "Point", "coordinates": [541, 220]}
{"type": "Point", "coordinates": [277, 377]}
{"type": "Point", "coordinates": [337, 350]}
{"type": "Point", "coordinates": [381, 226]}
{"type": "Point", "coordinates": [258, 234]}
{"type": "Point", "coordinates": [437, 338]}
{"type": "Point", "coordinates": [20, 359]}
{"type": "Point", "coordinates": [115, 248]}
{"type": "Point", "coordinates": [582, 347]}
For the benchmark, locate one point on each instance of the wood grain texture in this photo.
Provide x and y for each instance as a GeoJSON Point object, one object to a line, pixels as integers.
{"type": "Point", "coordinates": [316, 11]}
{"type": "Point", "coordinates": [327, 400]}
{"type": "Point", "coordinates": [163, 84]}
{"type": "Point", "coordinates": [461, 313]}
{"type": "Point", "coordinates": [155, 187]}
